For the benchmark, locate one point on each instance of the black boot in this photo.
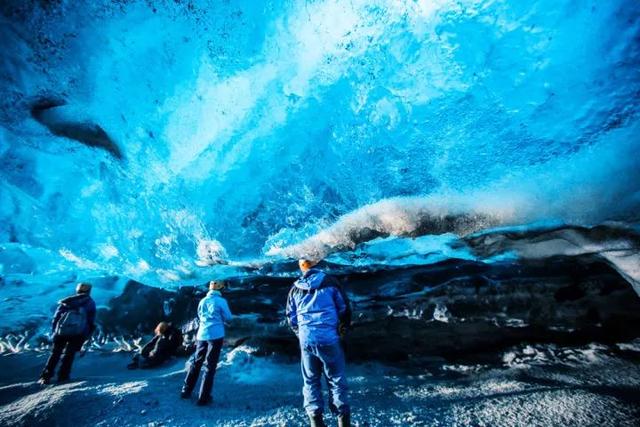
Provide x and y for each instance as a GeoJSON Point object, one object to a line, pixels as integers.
{"type": "Point", "coordinates": [204, 400]}
{"type": "Point", "coordinates": [344, 420]}
{"type": "Point", "coordinates": [316, 421]}
{"type": "Point", "coordinates": [135, 362]}
{"type": "Point", "coordinates": [190, 380]}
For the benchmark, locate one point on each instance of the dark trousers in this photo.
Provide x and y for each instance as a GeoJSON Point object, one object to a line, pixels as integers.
{"type": "Point", "coordinates": [145, 362]}
{"type": "Point", "coordinates": [67, 347]}
{"type": "Point", "coordinates": [207, 354]}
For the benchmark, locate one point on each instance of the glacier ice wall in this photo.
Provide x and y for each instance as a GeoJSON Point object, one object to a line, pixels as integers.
{"type": "Point", "coordinates": [252, 127]}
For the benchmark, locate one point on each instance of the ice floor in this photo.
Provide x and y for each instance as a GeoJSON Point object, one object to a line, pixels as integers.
{"type": "Point", "coordinates": [592, 386]}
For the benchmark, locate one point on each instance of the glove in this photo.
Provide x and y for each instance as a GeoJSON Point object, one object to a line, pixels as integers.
{"type": "Point", "coordinates": [342, 330]}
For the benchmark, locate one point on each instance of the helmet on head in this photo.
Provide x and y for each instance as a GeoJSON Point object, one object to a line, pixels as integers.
{"type": "Point", "coordinates": [83, 288]}
{"type": "Point", "coordinates": [216, 285]}
{"type": "Point", "coordinates": [307, 263]}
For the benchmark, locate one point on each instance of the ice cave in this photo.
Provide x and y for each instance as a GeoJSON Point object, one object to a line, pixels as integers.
{"type": "Point", "coordinates": [465, 173]}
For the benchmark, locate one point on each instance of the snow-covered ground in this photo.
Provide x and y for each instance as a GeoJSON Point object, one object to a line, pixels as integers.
{"type": "Point", "coordinates": [590, 386]}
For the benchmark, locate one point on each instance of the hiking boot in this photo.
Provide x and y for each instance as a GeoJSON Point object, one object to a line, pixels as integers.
{"type": "Point", "coordinates": [316, 420]}
{"type": "Point", "coordinates": [204, 401]}
{"type": "Point", "coordinates": [344, 420]}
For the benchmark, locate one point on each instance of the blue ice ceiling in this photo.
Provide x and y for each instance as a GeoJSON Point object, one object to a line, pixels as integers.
{"type": "Point", "coordinates": [133, 134]}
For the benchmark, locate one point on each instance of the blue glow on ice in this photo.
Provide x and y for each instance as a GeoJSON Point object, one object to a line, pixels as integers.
{"type": "Point", "coordinates": [256, 127]}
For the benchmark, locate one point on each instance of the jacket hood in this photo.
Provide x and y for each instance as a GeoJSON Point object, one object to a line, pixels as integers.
{"type": "Point", "coordinates": [312, 279]}
{"type": "Point", "coordinates": [75, 300]}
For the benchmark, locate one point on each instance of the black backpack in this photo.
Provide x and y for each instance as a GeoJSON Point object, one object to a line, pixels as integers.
{"type": "Point", "coordinates": [72, 322]}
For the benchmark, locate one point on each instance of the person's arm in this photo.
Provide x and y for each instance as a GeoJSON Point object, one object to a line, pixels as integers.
{"type": "Point", "coordinates": [201, 310]}
{"type": "Point", "coordinates": [162, 347]}
{"type": "Point", "coordinates": [176, 340]}
{"type": "Point", "coordinates": [291, 312]}
{"type": "Point", "coordinates": [343, 306]}
{"type": "Point", "coordinates": [56, 318]}
{"type": "Point", "coordinates": [225, 311]}
{"type": "Point", "coordinates": [148, 347]}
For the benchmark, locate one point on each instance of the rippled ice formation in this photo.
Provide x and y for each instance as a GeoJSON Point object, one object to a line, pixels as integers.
{"type": "Point", "coordinates": [139, 138]}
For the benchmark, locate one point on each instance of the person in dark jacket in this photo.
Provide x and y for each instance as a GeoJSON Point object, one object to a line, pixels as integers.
{"type": "Point", "coordinates": [318, 312]}
{"type": "Point", "coordinates": [162, 346]}
{"type": "Point", "coordinates": [213, 312]}
{"type": "Point", "coordinates": [73, 323]}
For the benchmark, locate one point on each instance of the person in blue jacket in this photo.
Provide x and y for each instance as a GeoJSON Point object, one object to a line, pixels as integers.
{"type": "Point", "coordinates": [213, 312]}
{"type": "Point", "coordinates": [318, 312]}
{"type": "Point", "coordinates": [73, 322]}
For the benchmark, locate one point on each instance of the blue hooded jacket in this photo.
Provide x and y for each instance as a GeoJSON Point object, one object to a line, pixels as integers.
{"type": "Point", "coordinates": [316, 307]}
{"type": "Point", "coordinates": [213, 311]}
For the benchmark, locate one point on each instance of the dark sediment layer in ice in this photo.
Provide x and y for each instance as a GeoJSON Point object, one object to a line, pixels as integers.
{"type": "Point", "coordinates": [452, 310]}
{"type": "Point", "coordinates": [615, 243]}
{"type": "Point", "coordinates": [554, 284]}
{"type": "Point", "coordinates": [67, 121]}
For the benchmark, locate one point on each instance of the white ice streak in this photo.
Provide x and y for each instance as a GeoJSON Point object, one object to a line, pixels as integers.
{"type": "Point", "coordinates": [484, 388]}
{"type": "Point", "coordinates": [81, 263]}
{"type": "Point", "coordinates": [441, 313]}
{"type": "Point", "coordinates": [540, 355]}
{"type": "Point", "coordinates": [14, 343]}
{"type": "Point", "coordinates": [210, 252]}
{"type": "Point", "coordinates": [402, 216]}
{"type": "Point", "coordinates": [124, 388]}
{"type": "Point", "coordinates": [630, 346]}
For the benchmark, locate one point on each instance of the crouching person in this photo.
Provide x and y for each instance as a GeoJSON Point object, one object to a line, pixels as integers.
{"type": "Point", "coordinates": [73, 323]}
{"type": "Point", "coordinates": [213, 311]}
{"type": "Point", "coordinates": [318, 312]}
{"type": "Point", "coordinates": [166, 341]}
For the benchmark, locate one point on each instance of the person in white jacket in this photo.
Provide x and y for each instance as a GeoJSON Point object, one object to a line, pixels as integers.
{"type": "Point", "coordinates": [213, 312]}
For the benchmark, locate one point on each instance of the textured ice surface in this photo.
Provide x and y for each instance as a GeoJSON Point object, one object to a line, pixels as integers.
{"type": "Point", "coordinates": [170, 141]}
{"type": "Point", "coordinates": [321, 124]}
{"type": "Point", "coordinates": [264, 392]}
